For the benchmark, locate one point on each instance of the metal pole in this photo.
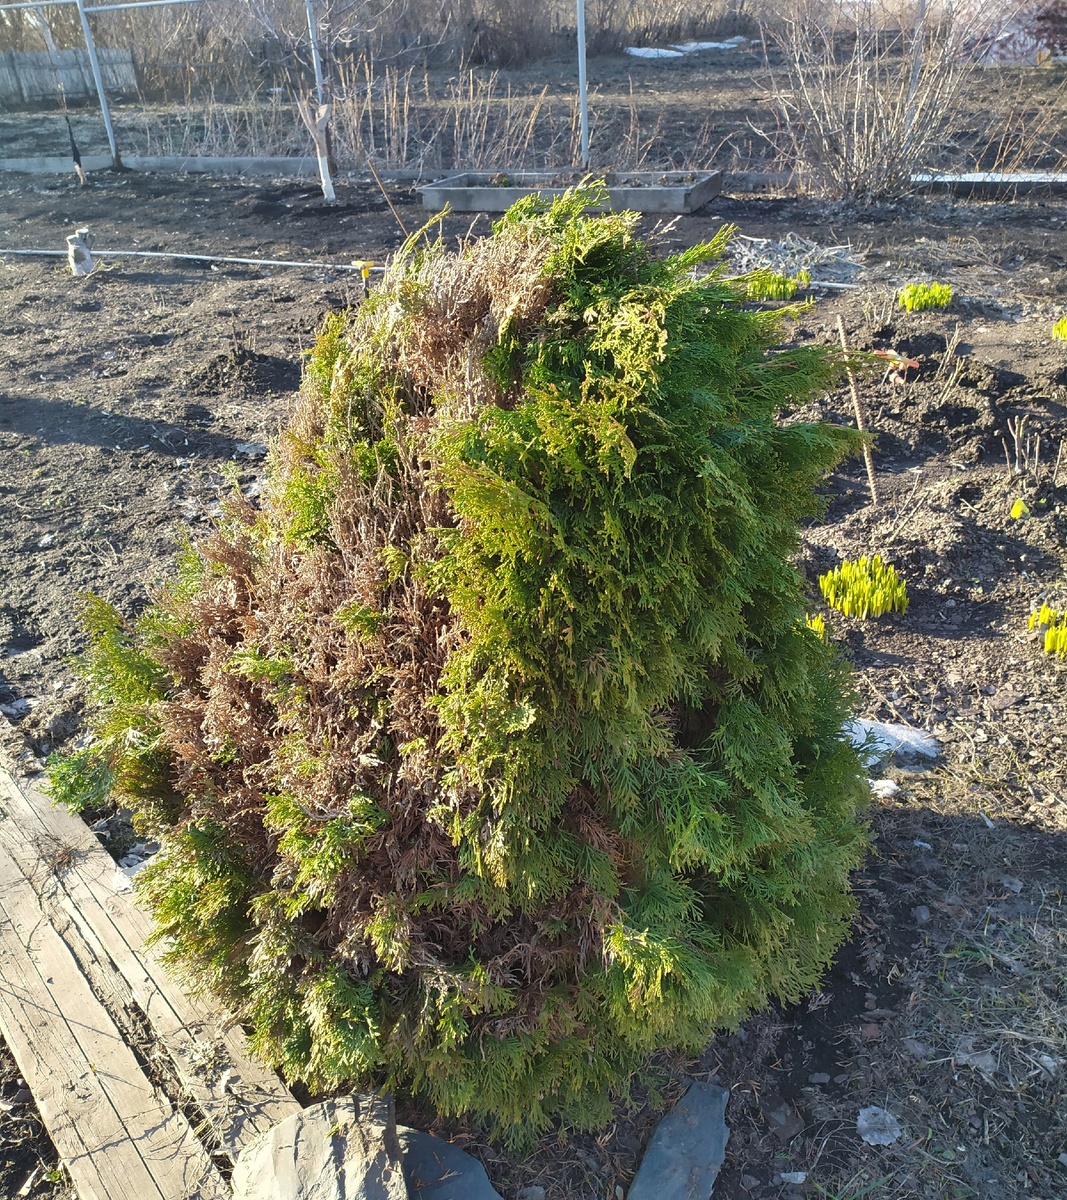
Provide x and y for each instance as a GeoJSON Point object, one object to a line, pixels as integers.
{"type": "Point", "coordinates": [98, 79]}
{"type": "Point", "coordinates": [583, 97]}
{"type": "Point", "coordinates": [316, 60]}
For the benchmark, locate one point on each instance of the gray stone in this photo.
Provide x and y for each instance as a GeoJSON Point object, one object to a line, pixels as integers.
{"type": "Point", "coordinates": [343, 1149]}
{"type": "Point", "coordinates": [687, 1149]}
{"type": "Point", "coordinates": [437, 1170]}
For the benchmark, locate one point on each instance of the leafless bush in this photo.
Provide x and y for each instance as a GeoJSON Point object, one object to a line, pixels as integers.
{"type": "Point", "coordinates": [869, 92]}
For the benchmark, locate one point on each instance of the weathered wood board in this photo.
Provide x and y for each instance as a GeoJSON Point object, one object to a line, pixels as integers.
{"type": "Point", "coordinates": [74, 973]}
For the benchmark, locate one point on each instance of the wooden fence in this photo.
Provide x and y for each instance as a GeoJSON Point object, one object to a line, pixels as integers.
{"type": "Point", "coordinates": [30, 76]}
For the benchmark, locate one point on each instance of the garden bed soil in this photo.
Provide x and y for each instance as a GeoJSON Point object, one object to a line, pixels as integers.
{"type": "Point", "coordinates": [132, 395]}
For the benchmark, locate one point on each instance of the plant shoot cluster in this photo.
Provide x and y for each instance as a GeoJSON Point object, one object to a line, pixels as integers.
{"type": "Point", "coordinates": [916, 296]}
{"type": "Point", "coordinates": [1054, 624]}
{"type": "Point", "coordinates": [864, 587]}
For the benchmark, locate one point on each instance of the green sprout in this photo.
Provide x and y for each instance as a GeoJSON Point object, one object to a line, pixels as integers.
{"type": "Point", "coordinates": [917, 296]}
{"type": "Point", "coordinates": [866, 587]}
{"type": "Point", "coordinates": [1054, 623]}
{"type": "Point", "coordinates": [769, 285]}
{"type": "Point", "coordinates": [1059, 330]}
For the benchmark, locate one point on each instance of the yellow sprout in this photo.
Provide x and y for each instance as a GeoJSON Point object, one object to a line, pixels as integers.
{"type": "Point", "coordinates": [866, 587]}
{"type": "Point", "coordinates": [1059, 330]}
{"type": "Point", "coordinates": [1054, 623]}
{"type": "Point", "coordinates": [817, 624]}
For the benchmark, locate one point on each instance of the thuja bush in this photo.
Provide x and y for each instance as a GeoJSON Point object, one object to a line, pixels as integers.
{"type": "Point", "coordinates": [496, 752]}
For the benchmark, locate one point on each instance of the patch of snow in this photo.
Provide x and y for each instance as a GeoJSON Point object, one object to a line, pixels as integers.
{"type": "Point", "coordinates": [652, 52]}
{"type": "Point", "coordinates": [878, 740]}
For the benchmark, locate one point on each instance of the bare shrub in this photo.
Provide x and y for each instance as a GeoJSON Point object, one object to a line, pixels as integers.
{"type": "Point", "coordinates": [869, 92]}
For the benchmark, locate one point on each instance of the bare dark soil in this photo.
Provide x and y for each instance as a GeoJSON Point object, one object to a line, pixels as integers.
{"type": "Point", "coordinates": [130, 397]}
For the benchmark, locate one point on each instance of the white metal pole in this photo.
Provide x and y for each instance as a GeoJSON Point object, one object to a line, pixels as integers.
{"type": "Point", "coordinates": [316, 60]}
{"type": "Point", "coordinates": [583, 96]}
{"type": "Point", "coordinates": [98, 79]}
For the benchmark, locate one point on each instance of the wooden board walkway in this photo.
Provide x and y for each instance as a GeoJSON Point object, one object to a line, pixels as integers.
{"type": "Point", "coordinates": [77, 987]}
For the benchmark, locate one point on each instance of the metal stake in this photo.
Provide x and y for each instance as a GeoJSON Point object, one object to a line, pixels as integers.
{"type": "Point", "coordinates": [98, 79]}
{"type": "Point", "coordinates": [583, 96]}
{"type": "Point", "coordinates": [316, 59]}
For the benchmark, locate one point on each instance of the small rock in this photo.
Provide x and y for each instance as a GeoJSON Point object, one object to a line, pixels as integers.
{"type": "Point", "coordinates": [919, 844]}
{"type": "Point", "coordinates": [686, 1151]}
{"type": "Point", "coordinates": [46, 541]}
{"type": "Point", "coordinates": [17, 708]}
{"type": "Point", "coordinates": [341, 1148]}
{"type": "Point", "coordinates": [749, 1183]}
{"type": "Point", "coordinates": [250, 449]}
{"type": "Point", "coordinates": [877, 1126]}
{"type": "Point", "coordinates": [819, 1077]}
{"type": "Point", "coordinates": [921, 914]}
{"type": "Point", "coordinates": [916, 1048]}
{"type": "Point", "coordinates": [1062, 1159]}
{"type": "Point", "coordinates": [1015, 886]}
{"type": "Point", "coordinates": [782, 1118]}
{"type": "Point", "coordinates": [793, 1176]}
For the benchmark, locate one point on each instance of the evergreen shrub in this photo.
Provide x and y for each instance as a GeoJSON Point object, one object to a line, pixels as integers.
{"type": "Point", "coordinates": [497, 751]}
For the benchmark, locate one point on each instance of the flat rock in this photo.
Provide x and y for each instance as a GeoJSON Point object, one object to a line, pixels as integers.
{"type": "Point", "coordinates": [437, 1170]}
{"type": "Point", "coordinates": [686, 1151]}
{"type": "Point", "coordinates": [343, 1149]}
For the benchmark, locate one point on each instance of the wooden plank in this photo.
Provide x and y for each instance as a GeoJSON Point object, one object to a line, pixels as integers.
{"type": "Point", "coordinates": [238, 1096]}
{"type": "Point", "coordinates": [119, 1139]}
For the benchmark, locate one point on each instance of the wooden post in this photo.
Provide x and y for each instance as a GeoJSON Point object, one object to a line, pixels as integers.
{"type": "Point", "coordinates": [857, 407]}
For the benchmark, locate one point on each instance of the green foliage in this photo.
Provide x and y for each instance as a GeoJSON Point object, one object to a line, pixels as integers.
{"type": "Point", "coordinates": [124, 759]}
{"type": "Point", "coordinates": [505, 753]}
{"type": "Point", "coordinates": [1053, 625]}
{"type": "Point", "coordinates": [917, 296]}
{"type": "Point", "coordinates": [1059, 330]}
{"type": "Point", "coordinates": [865, 587]}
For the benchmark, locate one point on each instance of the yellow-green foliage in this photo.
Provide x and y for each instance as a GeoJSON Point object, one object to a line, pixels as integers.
{"type": "Point", "coordinates": [866, 587]}
{"type": "Point", "coordinates": [1054, 623]}
{"type": "Point", "coordinates": [917, 296]}
{"type": "Point", "coordinates": [503, 755]}
{"type": "Point", "coordinates": [1059, 330]}
{"type": "Point", "coordinates": [817, 624]}
{"type": "Point", "coordinates": [769, 285]}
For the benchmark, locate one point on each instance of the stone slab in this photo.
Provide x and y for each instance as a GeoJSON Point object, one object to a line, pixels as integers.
{"type": "Point", "coordinates": [686, 1151]}
{"type": "Point", "coordinates": [342, 1149]}
{"type": "Point", "coordinates": [437, 1170]}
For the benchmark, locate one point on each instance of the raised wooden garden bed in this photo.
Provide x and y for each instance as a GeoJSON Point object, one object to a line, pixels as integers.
{"type": "Point", "coordinates": [641, 191]}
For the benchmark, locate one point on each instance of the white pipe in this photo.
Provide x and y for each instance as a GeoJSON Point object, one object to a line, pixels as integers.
{"type": "Point", "coordinates": [583, 91]}
{"type": "Point", "coordinates": [95, 8]}
{"type": "Point", "coordinates": [364, 267]}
